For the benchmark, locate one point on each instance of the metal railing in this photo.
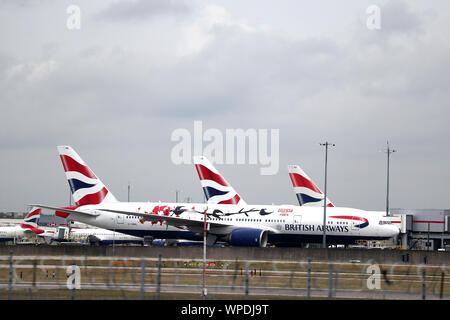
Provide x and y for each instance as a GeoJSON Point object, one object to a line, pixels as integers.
{"type": "Point", "coordinates": [87, 277]}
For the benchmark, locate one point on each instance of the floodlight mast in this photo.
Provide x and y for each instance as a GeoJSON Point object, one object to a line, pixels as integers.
{"type": "Point", "coordinates": [388, 152]}
{"type": "Point", "coordinates": [204, 290]}
{"type": "Point", "coordinates": [324, 237]}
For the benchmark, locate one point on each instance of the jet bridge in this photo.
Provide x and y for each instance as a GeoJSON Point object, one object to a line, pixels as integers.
{"type": "Point", "coordinates": [423, 229]}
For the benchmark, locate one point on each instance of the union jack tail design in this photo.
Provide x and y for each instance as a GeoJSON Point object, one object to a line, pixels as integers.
{"type": "Point", "coordinates": [31, 220]}
{"type": "Point", "coordinates": [308, 194]}
{"type": "Point", "coordinates": [217, 190]}
{"type": "Point", "coordinates": [85, 186]}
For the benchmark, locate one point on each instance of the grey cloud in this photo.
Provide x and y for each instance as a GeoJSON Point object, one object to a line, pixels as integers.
{"type": "Point", "coordinates": [22, 3]}
{"type": "Point", "coordinates": [118, 109]}
{"type": "Point", "coordinates": [398, 18]}
{"type": "Point", "coordinates": [143, 9]}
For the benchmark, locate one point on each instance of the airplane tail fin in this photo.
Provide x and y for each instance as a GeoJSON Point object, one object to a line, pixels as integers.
{"type": "Point", "coordinates": [86, 188]}
{"type": "Point", "coordinates": [308, 194]}
{"type": "Point", "coordinates": [217, 190]}
{"type": "Point", "coordinates": [31, 220]}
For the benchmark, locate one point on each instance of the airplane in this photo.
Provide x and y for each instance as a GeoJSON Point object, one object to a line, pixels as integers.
{"type": "Point", "coordinates": [236, 224]}
{"type": "Point", "coordinates": [99, 236]}
{"type": "Point", "coordinates": [308, 194]}
{"type": "Point", "coordinates": [93, 236]}
{"type": "Point", "coordinates": [9, 222]}
{"type": "Point", "coordinates": [29, 226]}
{"type": "Point", "coordinates": [89, 191]}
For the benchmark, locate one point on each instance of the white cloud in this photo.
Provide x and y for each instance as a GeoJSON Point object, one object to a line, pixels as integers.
{"type": "Point", "coordinates": [30, 72]}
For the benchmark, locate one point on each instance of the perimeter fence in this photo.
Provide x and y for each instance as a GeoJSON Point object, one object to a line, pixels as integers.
{"type": "Point", "coordinates": [88, 277]}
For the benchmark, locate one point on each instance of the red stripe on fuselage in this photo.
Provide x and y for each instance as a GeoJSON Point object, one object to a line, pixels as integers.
{"type": "Point", "coordinates": [300, 181]}
{"type": "Point", "coordinates": [205, 174]}
{"type": "Point", "coordinates": [70, 164]}
{"type": "Point", "coordinates": [350, 218]}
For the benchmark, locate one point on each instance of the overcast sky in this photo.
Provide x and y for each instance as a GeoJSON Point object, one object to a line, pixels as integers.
{"type": "Point", "coordinates": [135, 71]}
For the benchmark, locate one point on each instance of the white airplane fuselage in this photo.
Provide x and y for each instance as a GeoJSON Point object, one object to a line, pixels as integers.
{"type": "Point", "coordinates": [104, 236]}
{"type": "Point", "coordinates": [285, 224]}
{"type": "Point", "coordinates": [131, 225]}
{"type": "Point", "coordinates": [11, 232]}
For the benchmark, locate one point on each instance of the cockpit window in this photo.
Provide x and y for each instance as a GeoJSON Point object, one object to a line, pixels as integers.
{"type": "Point", "coordinates": [382, 222]}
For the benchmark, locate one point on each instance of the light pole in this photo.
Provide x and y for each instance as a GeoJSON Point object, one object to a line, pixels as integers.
{"type": "Point", "coordinates": [204, 291]}
{"type": "Point", "coordinates": [388, 151]}
{"type": "Point", "coordinates": [324, 240]}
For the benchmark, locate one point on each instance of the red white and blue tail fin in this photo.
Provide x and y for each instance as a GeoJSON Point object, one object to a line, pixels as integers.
{"type": "Point", "coordinates": [217, 190]}
{"type": "Point", "coordinates": [31, 220]}
{"type": "Point", "coordinates": [86, 188]}
{"type": "Point", "coordinates": [308, 194]}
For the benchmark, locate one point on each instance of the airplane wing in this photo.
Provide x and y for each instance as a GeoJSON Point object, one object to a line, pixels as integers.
{"type": "Point", "coordinates": [180, 221]}
{"type": "Point", "coordinates": [91, 214]}
{"type": "Point", "coordinates": [172, 220]}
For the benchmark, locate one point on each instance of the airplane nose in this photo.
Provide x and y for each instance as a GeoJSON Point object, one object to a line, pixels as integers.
{"type": "Point", "coordinates": [389, 231]}
{"type": "Point", "coordinates": [393, 231]}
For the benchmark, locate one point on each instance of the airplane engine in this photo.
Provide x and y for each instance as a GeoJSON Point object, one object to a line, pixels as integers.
{"type": "Point", "coordinates": [248, 237]}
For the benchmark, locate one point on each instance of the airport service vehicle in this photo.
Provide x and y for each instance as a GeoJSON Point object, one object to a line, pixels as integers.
{"type": "Point", "coordinates": [238, 224]}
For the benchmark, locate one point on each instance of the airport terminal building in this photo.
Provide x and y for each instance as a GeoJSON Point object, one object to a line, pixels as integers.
{"type": "Point", "coordinates": [423, 229]}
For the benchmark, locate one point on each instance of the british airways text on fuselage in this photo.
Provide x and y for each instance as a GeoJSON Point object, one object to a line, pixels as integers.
{"type": "Point", "coordinates": [313, 228]}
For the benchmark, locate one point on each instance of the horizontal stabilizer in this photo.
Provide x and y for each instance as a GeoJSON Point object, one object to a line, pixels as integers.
{"type": "Point", "coordinates": [70, 211]}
